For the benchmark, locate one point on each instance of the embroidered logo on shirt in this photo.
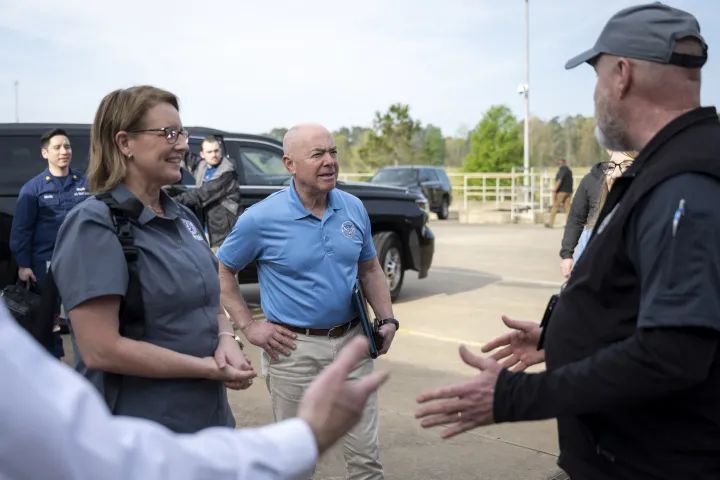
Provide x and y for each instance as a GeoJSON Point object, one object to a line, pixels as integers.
{"type": "Point", "coordinates": [348, 229]}
{"type": "Point", "coordinates": [47, 196]}
{"type": "Point", "coordinates": [193, 231]}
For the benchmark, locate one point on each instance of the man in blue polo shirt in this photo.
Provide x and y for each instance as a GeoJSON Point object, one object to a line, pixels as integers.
{"type": "Point", "coordinates": [310, 242]}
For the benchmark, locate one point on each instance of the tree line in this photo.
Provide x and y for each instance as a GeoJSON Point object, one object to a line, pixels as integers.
{"type": "Point", "coordinates": [494, 145]}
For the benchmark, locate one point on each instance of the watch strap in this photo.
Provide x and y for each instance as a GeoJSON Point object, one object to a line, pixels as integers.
{"type": "Point", "coordinates": [385, 321]}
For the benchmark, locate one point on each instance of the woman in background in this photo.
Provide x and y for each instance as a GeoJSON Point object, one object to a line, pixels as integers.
{"type": "Point", "coordinates": [617, 165]}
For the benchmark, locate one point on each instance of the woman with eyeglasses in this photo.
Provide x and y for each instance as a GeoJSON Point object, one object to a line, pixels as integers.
{"type": "Point", "coordinates": [177, 369]}
{"type": "Point", "coordinates": [617, 165]}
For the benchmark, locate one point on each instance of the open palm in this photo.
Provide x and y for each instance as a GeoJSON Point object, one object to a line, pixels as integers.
{"type": "Point", "coordinates": [520, 346]}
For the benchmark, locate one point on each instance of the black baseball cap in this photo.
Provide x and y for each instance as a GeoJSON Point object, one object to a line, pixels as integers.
{"type": "Point", "coordinates": [647, 32]}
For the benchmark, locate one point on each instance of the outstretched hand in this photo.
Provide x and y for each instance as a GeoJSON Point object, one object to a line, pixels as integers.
{"type": "Point", "coordinates": [520, 345]}
{"type": "Point", "coordinates": [466, 405]}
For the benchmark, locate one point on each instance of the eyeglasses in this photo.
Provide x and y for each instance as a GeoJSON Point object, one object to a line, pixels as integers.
{"type": "Point", "coordinates": [609, 167]}
{"type": "Point", "coordinates": [171, 134]}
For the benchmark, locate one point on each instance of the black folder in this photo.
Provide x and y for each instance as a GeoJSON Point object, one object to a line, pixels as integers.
{"type": "Point", "coordinates": [369, 328]}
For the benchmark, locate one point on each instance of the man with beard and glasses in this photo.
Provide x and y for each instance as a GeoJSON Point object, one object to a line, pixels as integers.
{"type": "Point", "coordinates": [631, 341]}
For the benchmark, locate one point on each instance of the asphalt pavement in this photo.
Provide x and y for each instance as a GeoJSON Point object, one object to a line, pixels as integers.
{"type": "Point", "coordinates": [479, 273]}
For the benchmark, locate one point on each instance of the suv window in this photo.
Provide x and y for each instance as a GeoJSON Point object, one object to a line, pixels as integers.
{"type": "Point", "coordinates": [260, 165]}
{"type": "Point", "coordinates": [195, 145]}
{"type": "Point", "coordinates": [427, 175]}
{"type": "Point", "coordinates": [442, 175]}
{"type": "Point", "coordinates": [270, 163]}
{"type": "Point", "coordinates": [395, 176]}
{"type": "Point", "coordinates": [21, 159]}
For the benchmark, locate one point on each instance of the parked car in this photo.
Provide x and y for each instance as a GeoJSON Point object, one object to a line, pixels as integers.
{"type": "Point", "coordinates": [401, 234]}
{"type": "Point", "coordinates": [432, 182]}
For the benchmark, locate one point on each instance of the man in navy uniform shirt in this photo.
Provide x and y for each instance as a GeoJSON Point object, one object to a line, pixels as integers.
{"type": "Point", "coordinates": [42, 205]}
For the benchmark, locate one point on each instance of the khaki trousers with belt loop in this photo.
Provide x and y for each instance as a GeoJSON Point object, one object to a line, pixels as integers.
{"type": "Point", "coordinates": [288, 377]}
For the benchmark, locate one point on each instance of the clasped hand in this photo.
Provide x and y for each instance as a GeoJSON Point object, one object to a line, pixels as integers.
{"type": "Point", "coordinates": [233, 366]}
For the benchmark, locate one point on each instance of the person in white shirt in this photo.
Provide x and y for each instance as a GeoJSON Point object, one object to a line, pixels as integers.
{"type": "Point", "coordinates": [55, 424]}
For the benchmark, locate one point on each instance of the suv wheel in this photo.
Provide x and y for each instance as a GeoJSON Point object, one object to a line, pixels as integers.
{"type": "Point", "coordinates": [444, 212]}
{"type": "Point", "coordinates": [389, 251]}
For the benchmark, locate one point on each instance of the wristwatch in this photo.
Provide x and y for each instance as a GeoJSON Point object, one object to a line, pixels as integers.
{"type": "Point", "coordinates": [385, 321]}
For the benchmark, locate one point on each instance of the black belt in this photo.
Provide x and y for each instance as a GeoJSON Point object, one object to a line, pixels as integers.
{"type": "Point", "coordinates": [332, 332]}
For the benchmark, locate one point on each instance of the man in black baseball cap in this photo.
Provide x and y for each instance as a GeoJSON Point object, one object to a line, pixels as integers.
{"type": "Point", "coordinates": [632, 341]}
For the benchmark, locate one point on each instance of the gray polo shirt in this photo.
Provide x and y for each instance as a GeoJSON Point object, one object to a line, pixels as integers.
{"type": "Point", "coordinates": [181, 294]}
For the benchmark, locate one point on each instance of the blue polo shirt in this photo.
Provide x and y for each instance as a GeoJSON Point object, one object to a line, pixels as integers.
{"type": "Point", "coordinates": [306, 266]}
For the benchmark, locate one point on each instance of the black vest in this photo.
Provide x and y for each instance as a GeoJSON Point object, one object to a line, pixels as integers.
{"type": "Point", "coordinates": [600, 302]}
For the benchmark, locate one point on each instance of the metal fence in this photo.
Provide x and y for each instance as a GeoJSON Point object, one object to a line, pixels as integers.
{"type": "Point", "coordinates": [503, 190]}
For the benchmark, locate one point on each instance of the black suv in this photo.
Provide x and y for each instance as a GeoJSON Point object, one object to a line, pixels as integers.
{"type": "Point", "coordinates": [432, 182]}
{"type": "Point", "coordinates": [402, 238]}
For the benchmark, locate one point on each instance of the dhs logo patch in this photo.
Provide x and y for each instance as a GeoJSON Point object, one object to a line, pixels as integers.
{"type": "Point", "coordinates": [348, 229]}
{"type": "Point", "coordinates": [193, 230]}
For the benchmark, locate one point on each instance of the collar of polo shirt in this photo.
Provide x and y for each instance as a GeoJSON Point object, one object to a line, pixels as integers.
{"type": "Point", "coordinates": [298, 209]}
{"type": "Point", "coordinates": [172, 211]}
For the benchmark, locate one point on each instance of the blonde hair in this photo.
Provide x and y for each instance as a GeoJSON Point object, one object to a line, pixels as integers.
{"type": "Point", "coordinates": [604, 189]}
{"type": "Point", "coordinates": [122, 109]}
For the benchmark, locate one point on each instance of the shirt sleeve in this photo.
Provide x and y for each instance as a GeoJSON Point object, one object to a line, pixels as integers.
{"type": "Point", "coordinates": [209, 192]}
{"type": "Point", "coordinates": [88, 261]}
{"type": "Point", "coordinates": [368, 247]}
{"type": "Point", "coordinates": [57, 414]}
{"type": "Point", "coordinates": [678, 260]}
{"type": "Point", "coordinates": [242, 245]}
{"type": "Point", "coordinates": [23, 226]}
{"type": "Point", "coordinates": [649, 365]}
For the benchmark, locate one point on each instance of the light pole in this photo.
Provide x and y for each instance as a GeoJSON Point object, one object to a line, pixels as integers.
{"type": "Point", "coordinates": [526, 149]}
{"type": "Point", "coordinates": [524, 90]}
{"type": "Point", "coordinates": [17, 104]}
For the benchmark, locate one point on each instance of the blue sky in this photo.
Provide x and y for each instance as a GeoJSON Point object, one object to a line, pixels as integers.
{"type": "Point", "coordinates": [250, 66]}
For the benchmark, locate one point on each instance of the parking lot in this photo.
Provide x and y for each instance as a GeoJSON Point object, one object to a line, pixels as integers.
{"type": "Point", "coordinates": [478, 274]}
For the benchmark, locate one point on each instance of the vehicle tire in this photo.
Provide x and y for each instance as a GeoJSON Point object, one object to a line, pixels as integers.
{"type": "Point", "coordinates": [444, 212]}
{"type": "Point", "coordinates": [389, 253]}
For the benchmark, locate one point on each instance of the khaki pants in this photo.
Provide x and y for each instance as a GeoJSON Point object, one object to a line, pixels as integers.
{"type": "Point", "coordinates": [288, 377]}
{"type": "Point", "coordinates": [561, 198]}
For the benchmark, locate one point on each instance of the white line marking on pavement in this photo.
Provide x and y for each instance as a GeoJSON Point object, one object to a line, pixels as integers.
{"type": "Point", "coordinates": [465, 273]}
{"type": "Point", "coordinates": [440, 338]}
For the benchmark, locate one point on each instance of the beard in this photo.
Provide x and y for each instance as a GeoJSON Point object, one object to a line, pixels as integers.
{"type": "Point", "coordinates": [610, 131]}
{"type": "Point", "coordinates": [614, 143]}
